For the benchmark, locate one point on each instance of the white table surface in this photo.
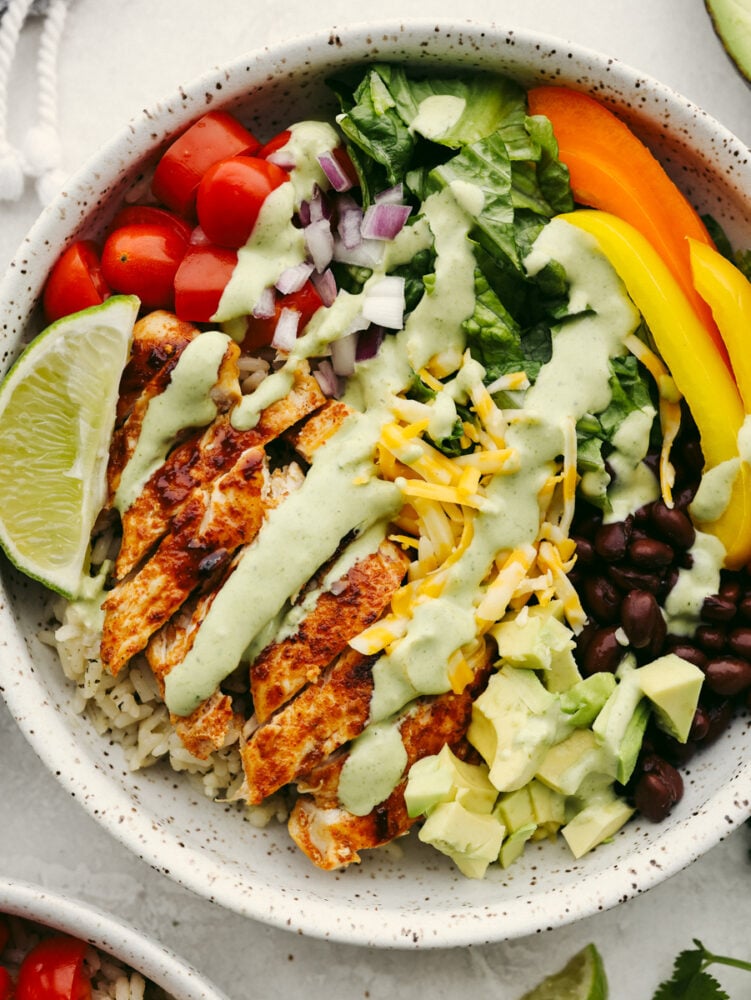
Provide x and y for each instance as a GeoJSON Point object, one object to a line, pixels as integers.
{"type": "Point", "coordinates": [119, 56]}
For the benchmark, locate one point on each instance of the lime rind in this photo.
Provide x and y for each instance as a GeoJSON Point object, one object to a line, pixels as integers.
{"type": "Point", "coordinates": [57, 414]}
{"type": "Point", "coordinates": [582, 978]}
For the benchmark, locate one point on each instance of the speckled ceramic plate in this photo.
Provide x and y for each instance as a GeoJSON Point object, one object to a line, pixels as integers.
{"type": "Point", "coordinates": [107, 934]}
{"type": "Point", "coordinates": [406, 896]}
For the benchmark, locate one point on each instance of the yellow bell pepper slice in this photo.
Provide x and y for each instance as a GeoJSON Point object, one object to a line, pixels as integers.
{"type": "Point", "coordinates": [727, 292]}
{"type": "Point", "coordinates": [699, 372]}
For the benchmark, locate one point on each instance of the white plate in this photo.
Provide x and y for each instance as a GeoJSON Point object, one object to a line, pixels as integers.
{"type": "Point", "coordinates": [405, 896]}
{"type": "Point", "coordinates": [109, 935]}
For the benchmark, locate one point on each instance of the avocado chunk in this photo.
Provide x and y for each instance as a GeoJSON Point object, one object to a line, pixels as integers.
{"type": "Point", "coordinates": [731, 20]}
{"type": "Point", "coordinates": [515, 809]}
{"type": "Point", "coordinates": [595, 823]}
{"type": "Point", "coordinates": [622, 721]}
{"type": "Point", "coordinates": [672, 684]}
{"type": "Point", "coordinates": [532, 637]}
{"type": "Point", "coordinates": [584, 701]}
{"type": "Point", "coordinates": [514, 722]}
{"type": "Point", "coordinates": [513, 846]}
{"type": "Point", "coordinates": [568, 763]}
{"type": "Point", "coordinates": [471, 840]}
{"type": "Point", "coordinates": [443, 777]}
{"type": "Point", "coordinates": [548, 808]}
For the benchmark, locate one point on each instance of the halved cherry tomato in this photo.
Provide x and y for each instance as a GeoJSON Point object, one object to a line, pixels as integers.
{"type": "Point", "coordinates": [230, 197]}
{"type": "Point", "coordinates": [260, 332]}
{"type": "Point", "coordinates": [53, 970]}
{"type": "Point", "coordinates": [142, 260]}
{"type": "Point", "coordinates": [75, 282]}
{"type": "Point", "coordinates": [212, 138]}
{"type": "Point", "coordinates": [6, 984]}
{"type": "Point", "coordinates": [150, 215]}
{"type": "Point", "coordinates": [201, 278]}
{"type": "Point", "coordinates": [279, 141]}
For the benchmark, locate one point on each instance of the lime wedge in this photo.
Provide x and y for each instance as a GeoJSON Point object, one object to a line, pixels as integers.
{"type": "Point", "coordinates": [57, 413]}
{"type": "Point", "coordinates": [582, 978]}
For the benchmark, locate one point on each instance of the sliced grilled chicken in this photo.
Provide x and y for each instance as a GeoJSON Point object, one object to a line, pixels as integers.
{"type": "Point", "coordinates": [329, 834]}
{"type": "Point", "coordinates": [199, 460]}
{"type": "Point", "coordinates": [207, 532]}
{"type": "Point", "coordinates": [356, 601]}
{"type": "Point", "coordinates": [319, 428]}
{"type": "Point", "coordinates": [210, 727]}
{"type": "Point", "coordinates": [323, 717]}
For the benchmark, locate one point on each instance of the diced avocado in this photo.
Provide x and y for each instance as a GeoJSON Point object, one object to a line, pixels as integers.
{"type": "Point", "coordinates": [567, 763]}
{"type": "Point", "coordinates": [530, 638]}
{"type": "Point", "coordinates": [595, 823]}
{"type": "Point", "coordinates": [583, 702]}
{"type": "Point", "coordinates": [672, 684]}
{"type": "Point", "coordinates": [515, 809]}
{"type": "Point", "coordinates": [513, 846]}
{"type": "Point", "coordinates": [471, 840]}
{"type": "Point", "coordinates": [563, 672]}
{"type": "Point", "coordinates": [514, 722]}
{"type": "Point", "coordinates": [620, 735]}
{"type": "Point", "coordinates": [548, 806]}
{"type": "Point", "coordinates": [442, 777]}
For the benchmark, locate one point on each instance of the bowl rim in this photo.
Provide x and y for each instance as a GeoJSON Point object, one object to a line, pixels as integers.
{"type": "Point", "coordinates": [71, 915]}
{"type": "Point", "coordinates": [325, 917]}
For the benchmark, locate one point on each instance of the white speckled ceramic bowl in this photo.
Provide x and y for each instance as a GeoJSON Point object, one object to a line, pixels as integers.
{"type": "Point", "coordinates": [407, 896]}
{"type": "Point", "coordinates": [108, 935]}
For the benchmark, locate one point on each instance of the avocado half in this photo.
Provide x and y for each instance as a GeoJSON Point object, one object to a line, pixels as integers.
{"type": "Point", "coordinates": [731, 20]}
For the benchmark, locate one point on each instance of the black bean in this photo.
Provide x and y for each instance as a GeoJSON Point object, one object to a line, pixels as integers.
{"type": "Point", "coordinates": [611, 540]}
{"type": "Point", "coordinates": [640, 617]}
{"type": "Point", "coordinates": [700, 725]}
{"type": "Point", "coordinates": [687, 651]}
{"type": "Point", "coordinates": [730, 590]}
{"type": "Point", "coordinates": [585, 552]}
{"type": "Point", "coordinates": [658, 789]}
{"type": "Point", "coordinates": [739, 641]}
{"type": "Point", "coordinates": [603, 652]}
{"type": "Point", "coordinates": [744, 608]}
{"type": "Point", "coordinates": [728, 675]}
{"type": "Point", "coordinates": [720, 717]}
{"type": "Point", "coordinates": [657, 639]}
{"type": "Point", "coordinates": [711, 638]}
{"type": "Point", "coordinates": [672, 525]}
{"type": "Point", "coordinates": [717, 609]}
{"type": "Point", "coordinates": [650, 553]}
{"type": "Point", "coordinates": [603, 598]}
{"type": "Point", "coordinates": [629, 578]}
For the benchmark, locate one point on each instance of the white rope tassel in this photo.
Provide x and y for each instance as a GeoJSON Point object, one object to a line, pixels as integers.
{"type": "Point", "coordinates": [11, 166]}
{"type": "Point", "coordinates": [42, 147]}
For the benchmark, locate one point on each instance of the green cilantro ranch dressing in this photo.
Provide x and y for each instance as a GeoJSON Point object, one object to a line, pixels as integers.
{"type": "Point", "coordinates": [713, 495]}
{"type": "Point", "coordinates": [275, 243]}
{"type": "Point", "coordinates": [340, 494]}
{"type": "Point", "coordinates": [684, 602]}
{"type": "Point", "coordinates": [437, 115]}
{"type": "Point", "coordinates": [186, 402]}
{"type": "Point", "coordinates": [373, 768]}
{"type": "Point", "coordinates": [635, 485]}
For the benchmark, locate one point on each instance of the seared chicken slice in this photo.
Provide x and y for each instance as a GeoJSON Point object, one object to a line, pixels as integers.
{"type": "Point", "coordinates": [199, 460]}
{"type": "Point", "coordinates": [207, 532]}
{"type": "Point", "coordinates": [210, 727]}
{"type": "Point", "coordinates": [356, 600]}
{"type": "Point", "coordinates": [317, 430]}
{"type": "Point", "coordinates": [329, 834]}
{"type": "Point", "coordinates": [320, 719]}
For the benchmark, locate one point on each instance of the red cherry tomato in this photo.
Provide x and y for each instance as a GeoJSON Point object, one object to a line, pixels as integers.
{"type": "Point", "coordinates": [150, 215]}
{"type": "Point", "coordinates": [260, 332]}
{"type": "Point", "coordinates": [142, 260]}
{"type": "Point", "coordinates": [6, 984]}
{"type": "Point", "coordinates": [201, 278]}
{"type": "Point", "coordinates": [274, 145]}
{"type": "Point", "coordinates": [212, 138]}
{"type": "Point", "coordinates": [230, 197]}
{"type": "Point", "coordinates": [53, 970]}
{"type": "Point", "coordinates": [75, 282]}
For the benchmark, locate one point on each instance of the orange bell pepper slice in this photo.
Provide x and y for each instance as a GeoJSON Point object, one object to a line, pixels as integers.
{"type": "Point", "coordinates": [611, 169]}
{"type": "Point", "coordinates": [697, 369]}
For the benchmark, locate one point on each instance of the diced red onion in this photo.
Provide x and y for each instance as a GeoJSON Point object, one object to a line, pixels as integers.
{"type": "Point", "coordinates": [369, 342]}
{"type": "Point", "coordinates": [343, 352]}
{"type": "Point", "coordinates": [384, 303]}
{"type": "Point", "coordinates": [367, 253]}
{"type": "Point", "coordinates": [392, 196]}
{"type": "Point", "coordinates": [384, 221]}
{"type": "Point", "coordinates": [265, 307]}
{"type": "Point", "coordinates": [303, 213]}
{"type": "Point", "coordinates": [319, 205]}
{"type": "Point", "coordinates": [350, 221]}
{"type": "Point", "coordinates": [319, 241]}
{"type": "Point", "coordinates": [325, 285]}
{"type": "Point", "coordinates": [282, 157]}
{"type": "Point", "coordinates": [293, 278]}
{"type": "Point", "coordinates": [329, 382]}
{"type": "Point", "coordinates": [285, 332]}
{"type": "Point", "coordinates": [337, 177]}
